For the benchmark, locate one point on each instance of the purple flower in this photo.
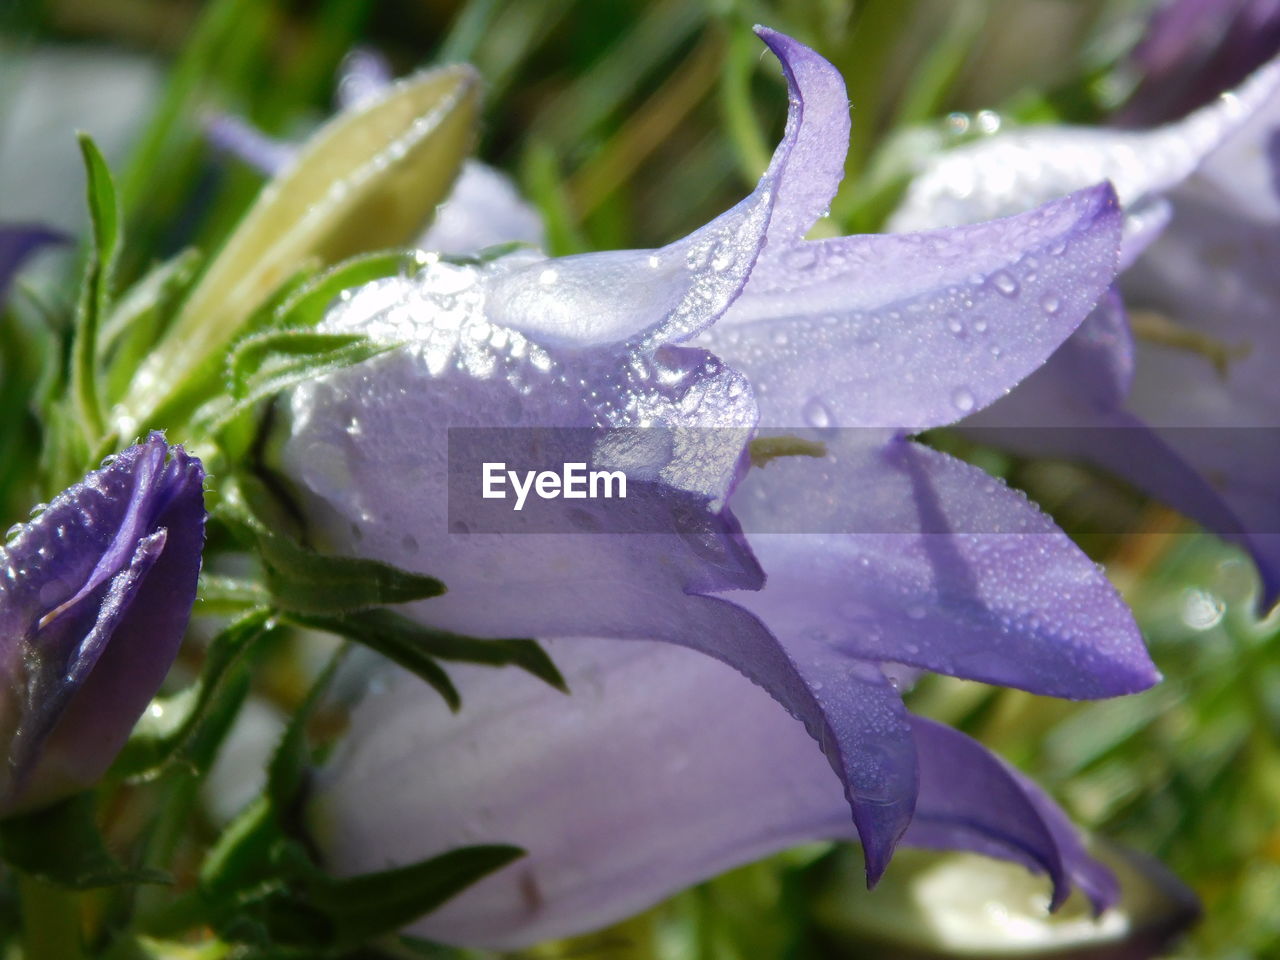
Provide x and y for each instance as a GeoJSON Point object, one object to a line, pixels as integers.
{"type": "Point", "coordinates": [1193, 50]}
{"type": "Point", "coordinates": [17, 243]}
{"type": "Point", "coordinates": [94, 599]}
{"type": "Point", "coordinates": [668, 360]}
{"type": "Point", "coordinates": [663, 768]}
{"type": "Point", "coordinates": [1188, 408]}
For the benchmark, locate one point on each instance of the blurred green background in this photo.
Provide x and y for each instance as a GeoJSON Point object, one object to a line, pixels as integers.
{"type": "Point", "coordinates": [628, 124]}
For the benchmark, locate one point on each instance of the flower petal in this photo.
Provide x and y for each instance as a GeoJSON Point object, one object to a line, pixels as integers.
{"type": "Point", "coordinates": [900, 553]}
{"type": "Point", "coordinates": [651, 297]}
{"type": "Point", "coordinates": [1013, 171]}
{"type": "Point", "coordinates": [679, 768]}
{"type": "Point", "coordinates": [483, 210]}
{"type": "Point", "coordinates": [971, 800]}
{"type": "Point", "coordinates": [97, 593]}
{"type": "Point", "coordinates": [917, 330]}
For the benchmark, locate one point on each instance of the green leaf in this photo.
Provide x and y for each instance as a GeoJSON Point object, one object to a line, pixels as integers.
{"type": "Point", "coordinates": [369, 179]}
{"type": "Point", "coordinates": [95, 296]}
{"type": "Point", "coordinates": [405, 641]}
{"type": "Point", "coordinates": [61, 844]}
{"type": "Point", "coordinates": [303, 581]}
{"type": "Point", "coordinates": [267, 363]}
{"type": "Point", "coordinates": [372, 905]}
{"type": "Point", "coordinates": [129, 332]}
{"type": "Point", "coordinates": [308, 303]}
{"type": "Point", "coordinates": [395, 648]}
{"type": "Point", "coordinates": [173, 722]}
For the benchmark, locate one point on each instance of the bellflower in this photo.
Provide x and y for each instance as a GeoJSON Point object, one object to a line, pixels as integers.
{"type": "Point", "coordinates": [94, 599]}
{"type": "Point", "coordinates": [666, 362]}
{"type": "Point", "coordinates": [1187, 409]}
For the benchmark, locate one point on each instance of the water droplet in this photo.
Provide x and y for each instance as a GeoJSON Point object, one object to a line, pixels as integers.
{"type": "Point", "coordinates": [802, 257]}
{"type": "Point", "coordinates": [963, 400]}
{"type": "Point", "coordinates": [780, 338]}
{"type": "Point", "coordinates": [980, 326]}
{"type": "Point", "coordinates": [1050, 304]}
{"type": "Point", "coordinates": [548, 276]}
{"type": "Point", "coordinates": [1003, 281]}
{"type": "Point", "coordinates": [817, 414]}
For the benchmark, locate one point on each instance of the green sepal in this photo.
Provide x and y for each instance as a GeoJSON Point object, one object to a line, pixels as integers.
{"type": "Point", "coordinates": [307, 304]}
{"type": "Point", "coordinates": [61, 845]}
{"type": "Point", "coordinates": [302, 581]}
{"type": "Point", "coordinates": [416, 648]}
{"type": "Point", "coordinates": [139, 316]}
{"type": "Point", "coordinates": [95, 295]}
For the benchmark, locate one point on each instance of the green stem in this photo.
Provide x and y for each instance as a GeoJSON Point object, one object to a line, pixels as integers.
{"type": "Point", "coordinates": [50, 921]}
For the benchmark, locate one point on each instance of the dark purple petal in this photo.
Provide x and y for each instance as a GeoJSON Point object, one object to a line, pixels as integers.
{"type": "Point", "coordinates": [917, 330]}
{"type": "Point", "coordinates": [17, 243]}
{"type": "Point", "coordinates": [971, 800]}
{"type": "Point", "coordinates": [93, 607]}
{"type": "Point", "coordinates": [899, 553]}
{"type": "Point", "coordinates": [1195, 49]}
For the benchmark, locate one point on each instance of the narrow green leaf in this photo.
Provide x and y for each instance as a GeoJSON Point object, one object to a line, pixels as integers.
{"type": "Point", "coordinates": [376, 904]}
{"type": "Point", "coordinates": [61, 844]}
{"type": "Point", "coordinates": [395, 646]}
{"type": "Point", "coordinates": [308, 303]}
{"type": "Point", "coordinates": [95, 296]}
{"type": "Point", "coordinates": [302, 581]}
{"type": "Point", "coordinates": [174, 721]}
{"type": "Point", "coordinates": [392, 631]}
{"type": "Point", "coordinates": [265, 364]}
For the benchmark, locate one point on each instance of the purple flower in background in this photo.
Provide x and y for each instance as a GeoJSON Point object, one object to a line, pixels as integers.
{"type": "Point", "coordinates": [1188, 408]}
{"type": "Point", "coordinates": [94, 599]}
{"type": "Point", "coordinates": [17, 243]}
{"type": "Point", "coordinates": [483, 209]}
{"type": "Point", "coordinates": [668, 361]}
{"type": "Point", "coordinates": [1193, 50]}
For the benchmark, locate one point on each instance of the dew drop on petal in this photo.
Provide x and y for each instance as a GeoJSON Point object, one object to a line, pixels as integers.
{"type": "Point", "coordinates": [963, 399]}
{"type": "Point", "coordinates": [1050, 304]}
{"type": "Point", "coordinates": [1004, 282]}
{"type": "Point", "coordinates": [817, 414]}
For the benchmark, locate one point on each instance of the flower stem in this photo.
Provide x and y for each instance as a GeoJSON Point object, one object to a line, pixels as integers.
{"type": "Point", "coordinates": [50, 921]}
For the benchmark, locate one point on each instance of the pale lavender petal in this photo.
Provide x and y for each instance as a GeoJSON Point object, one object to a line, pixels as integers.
{"type": "Point", "coordinates": [651, 297]}
{"type": "Point", "coordinates": [17, 243]}
{"type": "Point", "coordinates": [917, 330]}
{"type": "Point", "coordinates": [483, 209]}
{"type": "Point", "coordinates": [363, 75]}
{"type": "Point", "coordinates": [230, 134]}
{"type": "Point", "coordinates": [97, 596]}
{"type": "Point", "coordinates": [821, 105]}
{"type": "Point", "coordinates": [1012, 171]}
{"type": "Point", "coordinates": [901, 553]}
{"type": "Point", "coordinates": [357, 435]}
{"type": "Point", "coordinates": [679, 769]}
{"type": "Point", "coordinates": [971, 800]}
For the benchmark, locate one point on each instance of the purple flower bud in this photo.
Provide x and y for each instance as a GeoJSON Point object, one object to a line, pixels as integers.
{"type": "Point", "coordinates": [95, 594]}
{"type": "Point", "coordinates": [17, 242]}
